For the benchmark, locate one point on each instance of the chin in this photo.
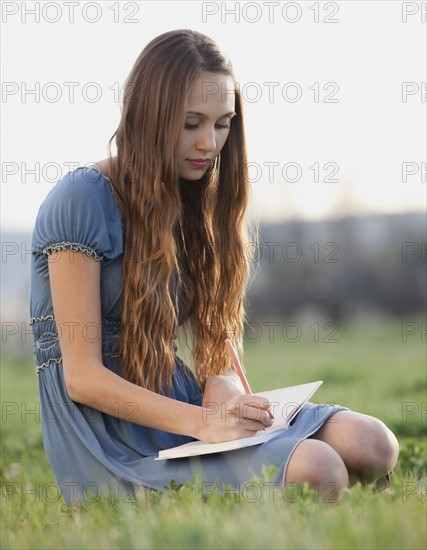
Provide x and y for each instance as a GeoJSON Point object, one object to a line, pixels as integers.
{"type": "Point", "coordinates": [192, 176]}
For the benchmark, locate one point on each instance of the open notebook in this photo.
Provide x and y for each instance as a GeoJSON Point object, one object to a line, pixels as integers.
{"type": "Point", "coordinates": [286, 402]}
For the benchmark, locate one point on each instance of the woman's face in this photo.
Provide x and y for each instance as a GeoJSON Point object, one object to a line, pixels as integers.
{"type": "Point", "coordinates": [208, 113]}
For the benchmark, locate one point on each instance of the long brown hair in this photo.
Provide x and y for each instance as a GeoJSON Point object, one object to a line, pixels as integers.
{"type": "Point", "coordinates": [193, 230]}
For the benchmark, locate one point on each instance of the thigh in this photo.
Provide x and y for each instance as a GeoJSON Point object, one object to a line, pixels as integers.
{"type": "Point", "coordinates": [347, 432]}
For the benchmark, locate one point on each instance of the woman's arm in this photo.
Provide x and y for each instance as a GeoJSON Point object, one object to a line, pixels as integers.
{"type": "Point", "coordinates": [75, 286]}
{"type": "Point", "coordinates": [222, 388]}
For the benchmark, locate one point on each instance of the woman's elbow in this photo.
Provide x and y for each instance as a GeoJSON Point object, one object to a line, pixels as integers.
{"type": "Point", "coordinates": [82, 384]}
{"type": "Point", "coordinates": [73, 384]}
{"type": "Point", "coordinates": [72, 388]}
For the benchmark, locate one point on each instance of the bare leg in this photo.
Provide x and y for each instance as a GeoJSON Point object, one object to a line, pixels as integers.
{"type": "Point", "coordinates": [367, 447]}
{"type": "Point", "coordinates": [318, 464]}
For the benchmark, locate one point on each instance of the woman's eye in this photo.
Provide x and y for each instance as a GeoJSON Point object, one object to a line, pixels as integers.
{"type": "Point", "coordinates": [189, 126]}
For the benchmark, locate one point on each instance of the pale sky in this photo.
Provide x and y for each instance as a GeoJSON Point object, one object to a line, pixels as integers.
{"type": "Point", "coordinates": [287, 65]}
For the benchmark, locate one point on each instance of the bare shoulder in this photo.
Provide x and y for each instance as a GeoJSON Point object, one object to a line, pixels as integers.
{"type": "Point", "coordinates": [103, 166]}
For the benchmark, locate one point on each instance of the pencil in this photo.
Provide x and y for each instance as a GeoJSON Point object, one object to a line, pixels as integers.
{"type": "Point", "coordinates": [237, 366]}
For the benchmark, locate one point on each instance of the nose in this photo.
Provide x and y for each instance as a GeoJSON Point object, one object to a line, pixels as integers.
{"type": "Point", "coordinates": [206, 141]}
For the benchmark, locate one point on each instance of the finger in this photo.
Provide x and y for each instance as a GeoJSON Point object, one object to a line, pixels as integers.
{"type": "Point", "coordinates": [251, 425]}
{"type": "Point", "coordinates": [253, 413]}
{"type": "Point", "coordinates": [258, 416]}
{"type": "Point", "coordinates": [257, 401]}
{"type": "Point", "coordinates": [264, 403]}
{"type": "Point", "coordinates": [266, 412]}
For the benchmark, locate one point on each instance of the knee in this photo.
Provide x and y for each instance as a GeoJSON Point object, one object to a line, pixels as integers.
{"type": "Point", "coordinates": [319, 465]}
{"type": "Point", "coordinates": [329, 476]}
{"type": "Point", "coordinates": [384, 447]}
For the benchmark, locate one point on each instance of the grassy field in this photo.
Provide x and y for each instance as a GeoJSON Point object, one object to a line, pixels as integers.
{"type": "Point", "coordinates": [368, 368]}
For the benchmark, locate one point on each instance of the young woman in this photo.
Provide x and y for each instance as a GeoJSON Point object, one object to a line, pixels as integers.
{"type": "Point", "coordinates": [130, 249]}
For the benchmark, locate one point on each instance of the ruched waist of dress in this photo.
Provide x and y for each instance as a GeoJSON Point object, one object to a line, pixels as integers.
{"type": "Point", "coordinates": [47, 349]}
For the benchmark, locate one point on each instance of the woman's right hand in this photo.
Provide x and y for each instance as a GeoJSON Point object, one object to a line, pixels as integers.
{"type": "Point", "coordinates": [241, 416]}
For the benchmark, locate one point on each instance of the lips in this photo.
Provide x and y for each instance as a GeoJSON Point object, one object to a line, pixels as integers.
{"type": "Point", "coordinates": [198, 163]}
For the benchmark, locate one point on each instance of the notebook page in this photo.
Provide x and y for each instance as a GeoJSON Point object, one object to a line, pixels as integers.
{"type": "Point", "coordinates": [285, 401]}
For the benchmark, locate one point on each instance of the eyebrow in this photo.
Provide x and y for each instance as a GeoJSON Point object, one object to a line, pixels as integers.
{"type": "Point", "coordinates": [231, 113]}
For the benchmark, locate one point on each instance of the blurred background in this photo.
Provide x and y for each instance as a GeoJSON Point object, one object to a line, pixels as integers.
{"type": "Point", "coordinates": [361, 268]}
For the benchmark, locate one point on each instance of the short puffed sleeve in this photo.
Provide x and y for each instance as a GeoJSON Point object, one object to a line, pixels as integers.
{"type": "Point", "coordinates": [80, 213]}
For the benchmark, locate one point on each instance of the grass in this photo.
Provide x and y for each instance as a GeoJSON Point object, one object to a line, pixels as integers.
{"type": "Point", "coordinates": [369, 369]}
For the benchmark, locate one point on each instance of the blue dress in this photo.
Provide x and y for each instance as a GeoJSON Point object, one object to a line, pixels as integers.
{"type": "Point", "coordinates": [94, 454]}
